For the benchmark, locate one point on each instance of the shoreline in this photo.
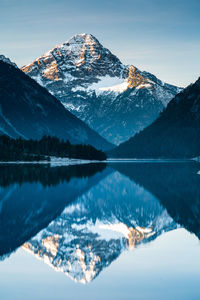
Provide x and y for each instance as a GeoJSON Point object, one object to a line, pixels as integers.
{"type": "Point", "coordinates": [53, 162]}
{"type": "Point", "coordinates": [70, 161]}
{"type": "Point", "coordinates": [149, 160]}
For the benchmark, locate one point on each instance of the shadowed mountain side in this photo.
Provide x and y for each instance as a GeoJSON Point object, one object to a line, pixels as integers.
{"type": "Point", "coordinates": [34, 197]}
{"type": "Point", "coordinates": [45, 174]}
{"type": "Point", "coordinates": [30, 111]}
{"type": "Point", "coordinates": [176, 186]}
{"type": "Point", "coordinates": [174, 134]}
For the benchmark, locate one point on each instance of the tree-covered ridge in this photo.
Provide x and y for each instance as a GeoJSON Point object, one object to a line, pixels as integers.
{"type": "Point", "coordinates": [36, 150]}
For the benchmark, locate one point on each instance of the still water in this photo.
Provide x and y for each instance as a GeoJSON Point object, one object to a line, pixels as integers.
{"type": "Point", "coordinates": [97, 231]}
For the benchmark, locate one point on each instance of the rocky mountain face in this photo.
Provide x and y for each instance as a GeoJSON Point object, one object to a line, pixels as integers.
{"type": "Point", "coordinates": [114, 99]}
{"type": "Point", "coordinates": [28, 110]}
{"type": "Point", "coordinates": [175, 134]}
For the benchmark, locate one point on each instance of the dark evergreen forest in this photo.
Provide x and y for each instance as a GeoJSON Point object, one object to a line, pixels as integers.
{"type": "Point", "coordinates": [36, 150]}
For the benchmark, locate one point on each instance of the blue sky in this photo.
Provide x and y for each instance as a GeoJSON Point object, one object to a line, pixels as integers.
{"type": "Point", "coordinates": [162, 37]}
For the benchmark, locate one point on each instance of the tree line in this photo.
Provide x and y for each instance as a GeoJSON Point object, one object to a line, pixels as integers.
{"type": "Point", "coordinates": [36, 150]}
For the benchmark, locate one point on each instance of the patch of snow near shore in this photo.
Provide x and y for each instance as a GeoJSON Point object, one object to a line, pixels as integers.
{"type": "Point", "coordinates": [55, 162]}
{"type": "Point", "coordinates": [59, 161]}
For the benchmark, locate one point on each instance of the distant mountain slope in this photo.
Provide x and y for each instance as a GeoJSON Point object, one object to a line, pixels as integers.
{"type": "Point", "coordinates": [114, 99]}
{"type": "Point", "coordinates": [30, 111]}
{"type": "Point", "coordinates": [175, 134]}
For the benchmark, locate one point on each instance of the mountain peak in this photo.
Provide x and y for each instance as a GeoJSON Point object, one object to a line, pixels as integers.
{"type": "Point", "coordinates": [83, 48]}
{"type": "Point", "coordinates": [82, 59]}
{"type": "Point", "coordinates": [94, 85]}
{"type": "Point", "coordinates": [83, 38]}
{"type": "Point", "coordinates": [78, 45]}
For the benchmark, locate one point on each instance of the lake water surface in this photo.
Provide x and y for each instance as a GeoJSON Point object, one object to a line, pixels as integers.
{"type": "Point", "coordinates": [116, 231]}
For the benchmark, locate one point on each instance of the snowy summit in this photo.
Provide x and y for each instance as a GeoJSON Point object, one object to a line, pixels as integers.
{"type": "Point", "coordinates": [114, 99]}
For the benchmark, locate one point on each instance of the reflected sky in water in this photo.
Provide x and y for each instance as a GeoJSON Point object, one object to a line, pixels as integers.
{"type": "Point", "coordinates": [121, 231]}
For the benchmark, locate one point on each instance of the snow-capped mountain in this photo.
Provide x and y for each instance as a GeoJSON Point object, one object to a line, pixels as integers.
{"type": "Point", "coordinates": [113, 216]}
{"type": "Point", "coordinates": [114, 99]}
{"type": "Point", "coordinates": [28, 110]}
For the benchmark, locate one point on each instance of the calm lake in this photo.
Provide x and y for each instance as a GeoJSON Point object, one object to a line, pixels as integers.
{"type": "Point", "coordinates": [100, 231]}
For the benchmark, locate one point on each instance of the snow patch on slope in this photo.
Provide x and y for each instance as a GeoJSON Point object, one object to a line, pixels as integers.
{"type": "Point", "coordinates": [105, 83]}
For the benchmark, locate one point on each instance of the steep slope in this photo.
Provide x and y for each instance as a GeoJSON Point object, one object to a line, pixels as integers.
{"type": "Point", "coordinates": [113, 99]}
{"type": "Point", "coordinates": [30, 111]}
{"type": "Point", "coordinates": [175, 134]}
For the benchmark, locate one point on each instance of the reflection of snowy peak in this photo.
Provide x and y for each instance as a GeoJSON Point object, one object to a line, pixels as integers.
{"type": "Point", "coordinates": [31, 196]}
{"type": "Point", "coordinates": [95, 229]}
{"type": "Point", "coordinates": [114, 99]}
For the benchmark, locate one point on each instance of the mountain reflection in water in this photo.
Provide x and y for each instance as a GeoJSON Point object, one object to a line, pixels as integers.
{"type": "Point", "coordinates": [79, 219]}
{"type": "Point", "coordinates": [31, 196]}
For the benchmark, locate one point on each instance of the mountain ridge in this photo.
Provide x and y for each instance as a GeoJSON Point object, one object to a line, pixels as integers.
{"type": "Point", "coordinates": [114, 99]}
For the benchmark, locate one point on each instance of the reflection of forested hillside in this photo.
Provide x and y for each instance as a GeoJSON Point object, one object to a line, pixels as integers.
{"type": "Point", "coordinates": [46, 175]}
{"type": "Point", "coordinates": [32, 196]}
{"type": "Point", "coordinates": [176, 185]}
